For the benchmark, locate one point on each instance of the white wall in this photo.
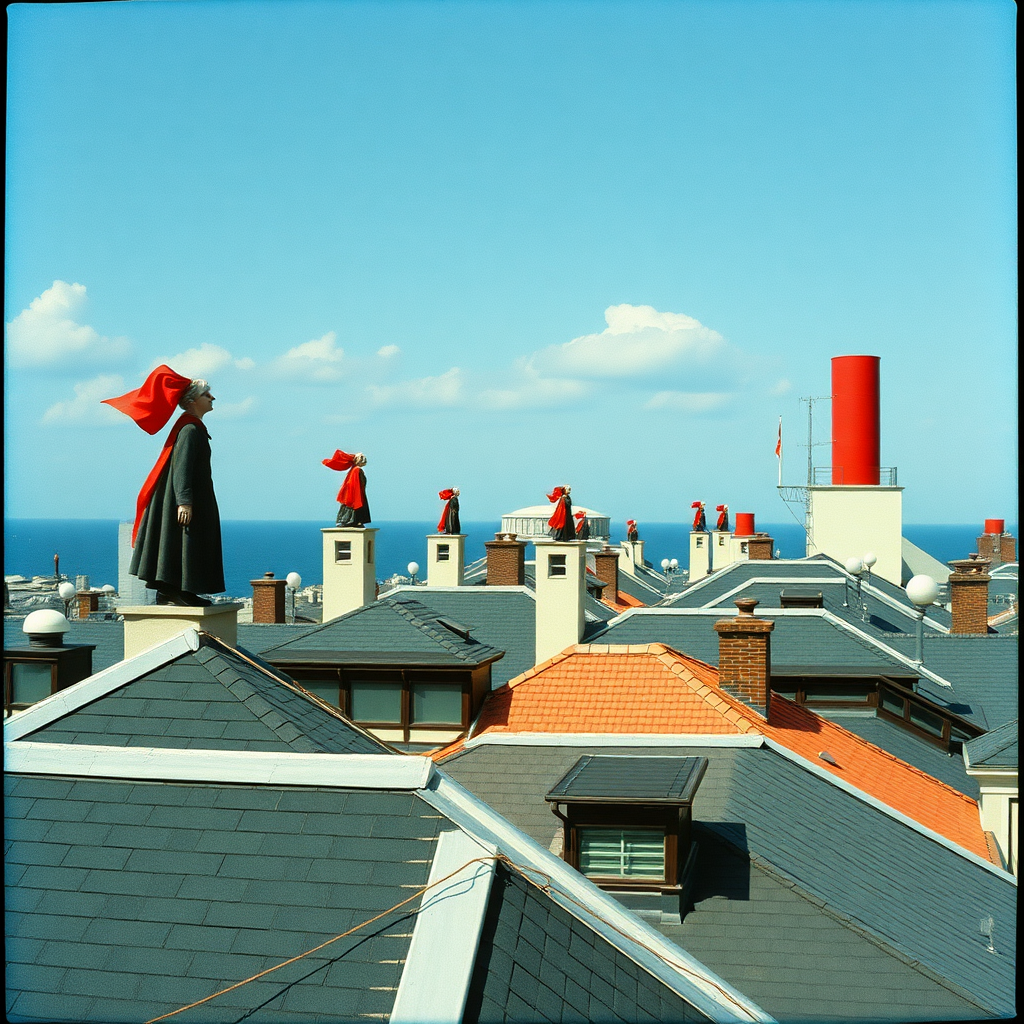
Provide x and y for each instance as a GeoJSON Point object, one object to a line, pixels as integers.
{"type": "Point", "coordinates": [351, 583]}
{"type": "Point", "coordinates": [849, 521]}
{"type": "Point", "coordinates": [560, 599]}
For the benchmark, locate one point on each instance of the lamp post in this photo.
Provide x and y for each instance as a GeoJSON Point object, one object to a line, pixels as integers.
{"type": "Point", "coordinates": [854, 566]}
{"type": "Point", "coordinates": [922, 591]}
{"type": "Point", "coordinates": [869, 560]}
{"type": "Point", "coordinates": [674, 564]}
{"type": "Point", "coordinates": [66, 592]}
{"type": "Point", "coordinates": [413, 567]}
{"type": "Point", "coordinates": [293, 581]}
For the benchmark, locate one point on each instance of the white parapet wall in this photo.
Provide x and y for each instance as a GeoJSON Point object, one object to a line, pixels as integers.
{"type": "Point", "coordinates": [350, 569]}
{"type": "Point", "coordinates": [446, 559]}
{"type": "Point", "coordinates": [631, 554]}
{"type": "Point", "coordinates": [848, 521]}
{"type": "Point", "coordinates": [560, 572]}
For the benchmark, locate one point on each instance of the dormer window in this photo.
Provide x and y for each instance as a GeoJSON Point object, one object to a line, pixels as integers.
{"type": "Point", "coordinates": [627, 820]}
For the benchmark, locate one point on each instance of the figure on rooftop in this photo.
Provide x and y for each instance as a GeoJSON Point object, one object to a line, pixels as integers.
{"type": "Point", "coordinates": [631, 531]}
{"type": "Point", "coordinates": [560, 523]}
{"type": "Point", "coordinates": [176, 535]}
{"type": "Point", "coordinates": [723, 518]}
{"type": "Point", "coordinates": [355, 510]}
{"type": "Point", "coordinates": [700, 523]}
{"type": "Point", "coordinates": [582, 526]}
{"type": "Point", "coordinates": [449, 522]}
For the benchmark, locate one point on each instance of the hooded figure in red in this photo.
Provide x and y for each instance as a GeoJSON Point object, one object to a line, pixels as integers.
{"type": "Point", "coordinates": [560, 523]}
{"type": "Point", "coordinates": [176, 536]}
{"type": "Point", "coordinates": [700, 523]}
{"type": "Point", "coordinates": [582, 526]}
{"type": "Point", "coordinates": [631, 530]}
{"type": "Point", "coordinates": [723, 518]}
{"type": "Point", "coordinates": [449, 522]}
{"type": "Point", "coordinates": [355, 510]}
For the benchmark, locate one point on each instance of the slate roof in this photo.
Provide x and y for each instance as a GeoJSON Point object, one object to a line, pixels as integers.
{"type": "Point", "coordinates": [138, 881]}
{"type": "Point", "coordinates": [653, 689]}
{"type": "Point", "coordinates": [396, 629]}
{"type": "Point", "coordinates": [210, 698]}
{"type": "Point", "coordinates": [833, 886]}
{"type": "Point", "coordinates": [996, 749]}
{"type": "Point", "coordinates": [630, 779]}
{"type": "Point", "coordinates": [129, 899]}
{"type": "Point", "coordinates": [503, 617]}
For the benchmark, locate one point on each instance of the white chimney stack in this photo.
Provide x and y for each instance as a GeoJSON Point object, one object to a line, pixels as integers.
{"type": "Point", "coordinates": [561, 591]}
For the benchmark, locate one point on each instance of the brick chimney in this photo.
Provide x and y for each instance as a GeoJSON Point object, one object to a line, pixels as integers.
{"type": "Point", "coordinates": [268, 599]}
{"type": "Point", "coordinates": [745, 655]}
{"type": "Point", "coordinates": [990, 543]}
{"type": "Point", "coordinates": [506, 561]}
{"type": "Point", "coordinates": [606, 568]}
{"type": "Point", "coordinates": [968, 594]}
{"type": "Point", "coordinates": [760, 547]}
{"type": "Point", "coordinates": [1007, 548]}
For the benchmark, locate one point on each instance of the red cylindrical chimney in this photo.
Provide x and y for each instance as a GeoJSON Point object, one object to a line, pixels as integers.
{"type": "Point", "coordinates": [995, 525]}
{"type": "Point", "coordinates": [855, 420]}
{"type": "Point", "coordinates": [744, 524]}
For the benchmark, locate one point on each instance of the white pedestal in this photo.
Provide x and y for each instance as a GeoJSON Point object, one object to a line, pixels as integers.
{"type": "Point", "coordinates": [700, 555]}
{"type": "Point", "coordinates": [631, 554]}
{"type": "Point", "coordinates": [446, 559]}
{"type": "Point", "coordinates": [151, 624]}
{"type": "Point", "coordinates": [561, 592]}
{"type": "Point", "coordinates": [350, 569]}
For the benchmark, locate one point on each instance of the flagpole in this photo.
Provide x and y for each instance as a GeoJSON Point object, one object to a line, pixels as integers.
{"type": "Point", "coordinates": [780, 451]}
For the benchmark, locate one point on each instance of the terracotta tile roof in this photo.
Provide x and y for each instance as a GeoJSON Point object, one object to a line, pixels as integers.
{"type": "Point", "coordinates": [623, 602]}
{"type": "Point", "coordinates": [650, 688]}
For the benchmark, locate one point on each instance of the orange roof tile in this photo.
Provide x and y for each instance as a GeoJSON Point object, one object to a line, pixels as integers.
{"type": "Point", "coordinates": [650, 688]}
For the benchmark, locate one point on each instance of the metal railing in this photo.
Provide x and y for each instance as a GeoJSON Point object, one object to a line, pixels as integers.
{"type": "Point", "coordinates": [833, 475]}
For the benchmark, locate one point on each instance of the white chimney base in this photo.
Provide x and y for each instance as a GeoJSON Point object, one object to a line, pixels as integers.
{"type": "Point", "coordinates": [350, 569]}
{"type": "Point", "coordinates": [847, 520]}
{"type": "Point", "coordinates": [700, 555]}
{"type": "Point", "coordinates": [631, 554]}
{"type": "Point", "coordinates": [446, 559]}
{"type": "Point", "coordinates": [147, 625]}
{"type": "Point", "coordinates": [561, 590]}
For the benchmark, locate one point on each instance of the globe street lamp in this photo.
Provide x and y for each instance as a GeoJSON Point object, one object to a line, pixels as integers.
{"type": "Point", "coordinates": [292, 581]}
{"type": "Point", "coordinates": [854, 566]}
{"type": "Point", "coordinates": [66, 592]}
{"type": "Point", "coordinates": [413, 567]}
{"type": "Point", "coordinates": [922, 591]}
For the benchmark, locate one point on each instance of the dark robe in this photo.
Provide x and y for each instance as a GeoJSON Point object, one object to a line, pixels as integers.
{"type": "Point", "coordinates": [450, 520]}
{"type": "Point", "coordinates": [349, 515]}
{"type": "Point", "coordinates": [167, 555]}
{"type": "Point", "coordinates": [567, 531]}
{"type": "Point", "coordinates": [632, 535]}
{"type": "Point", "coordinates": [583, 529]}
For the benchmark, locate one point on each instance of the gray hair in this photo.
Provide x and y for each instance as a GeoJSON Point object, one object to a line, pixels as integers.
{"type": "Point", "coordinates": [192, 392]}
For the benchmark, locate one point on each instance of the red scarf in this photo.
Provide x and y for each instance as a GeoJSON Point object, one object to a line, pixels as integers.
{"type": "Point", "coordinates": [351, 493]}
{"type": "Point", "coordinates": [446, 496]}
{"type": "Point", "coordinates": [154, 475]}
{"type": "Point", "coordinates": [581, 518]}
{"type": "Point", "coordinates": [557, 520]}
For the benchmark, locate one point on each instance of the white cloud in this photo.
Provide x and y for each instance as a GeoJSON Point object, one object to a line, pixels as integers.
{"type": "Point", "coordinates": [638, 340]}
{"type": "Point", "coordinates": [444, 390]}
{"type": "Point", "coordinates": [316, 362]}
{"type": "Point", "coordinates": [388, 351]}
{"type": "Point", "coordinates": [234, 411]}
{"type": "Point", "coordinates": [204, 361]}
{"type": "Point", "coordinates": [49, 331]}
{"type": "Point", "coordinates": [781, 387]}
{"type": "Point", "coordinates": [692, 403]}
{"type": "Point", "coordinates": [528, 390]}
{"type": "Point", "coordinates": [86, 407]}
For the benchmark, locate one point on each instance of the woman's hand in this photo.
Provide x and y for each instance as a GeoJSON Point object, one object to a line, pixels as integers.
{"type": "Point", "coordinates": [184, 514]}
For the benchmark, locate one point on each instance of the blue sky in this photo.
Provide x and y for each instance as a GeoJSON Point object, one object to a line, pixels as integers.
{"type": "Point", "coordinates": [503, 246]}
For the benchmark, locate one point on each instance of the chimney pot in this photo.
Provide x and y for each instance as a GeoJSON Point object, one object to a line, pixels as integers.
{"type": "Point", "coordinates": [746, 605]}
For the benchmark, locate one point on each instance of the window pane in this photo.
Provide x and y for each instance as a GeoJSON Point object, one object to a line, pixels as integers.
{"type": "Point", "coordinates": [622, 853]}
{"type": "Point", "coordinates": [433, 703]}
{"type": "Point", "coordinates": [376, 702]}
{"type": "Point", "coordinates": [892, 703]}
{"type": "Point", "coordinates": [836, 691]}
{"type": "Point", "coordinates": [326, 689]}
{"type": "Point", "coordinates": [925, 720]}
{"type": "Point", "coordinates": [29, 682]}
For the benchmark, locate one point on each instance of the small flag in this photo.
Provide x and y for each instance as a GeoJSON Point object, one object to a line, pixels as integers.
{"type": "Point", "coordinates": [778, 444]}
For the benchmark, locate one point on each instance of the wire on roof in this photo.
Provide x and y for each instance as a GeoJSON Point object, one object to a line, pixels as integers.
{"type": "Point", "coordinates": [524, 871]}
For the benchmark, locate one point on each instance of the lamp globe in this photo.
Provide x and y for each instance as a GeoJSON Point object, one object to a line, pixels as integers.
{"type": "Point", "coordinates": [922, 590]}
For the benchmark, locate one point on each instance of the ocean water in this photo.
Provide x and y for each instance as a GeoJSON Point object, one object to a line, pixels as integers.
{"type": "Point", "coordinates": [88, 547]}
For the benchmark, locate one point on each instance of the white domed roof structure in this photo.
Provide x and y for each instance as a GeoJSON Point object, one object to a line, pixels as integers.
{"type": "Point", "coordinates": [532, 521]}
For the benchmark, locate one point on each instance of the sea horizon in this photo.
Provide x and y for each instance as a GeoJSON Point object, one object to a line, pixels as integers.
{"type": "Point", "coordinates": [252, 547]}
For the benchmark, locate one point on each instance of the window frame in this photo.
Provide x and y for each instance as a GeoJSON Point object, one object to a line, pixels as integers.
{"type": "Point", "coordinates": [9, 662]}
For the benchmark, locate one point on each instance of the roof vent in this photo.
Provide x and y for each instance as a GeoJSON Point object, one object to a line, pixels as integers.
{"type": "Point", "coordinates": [45, 628]}
{"type": "Point", "coordinates": [828, 758]}
{"type": "Point", "coordinates": [795, 599]}
{"type": "Point", "coordinates": [455, 627]}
